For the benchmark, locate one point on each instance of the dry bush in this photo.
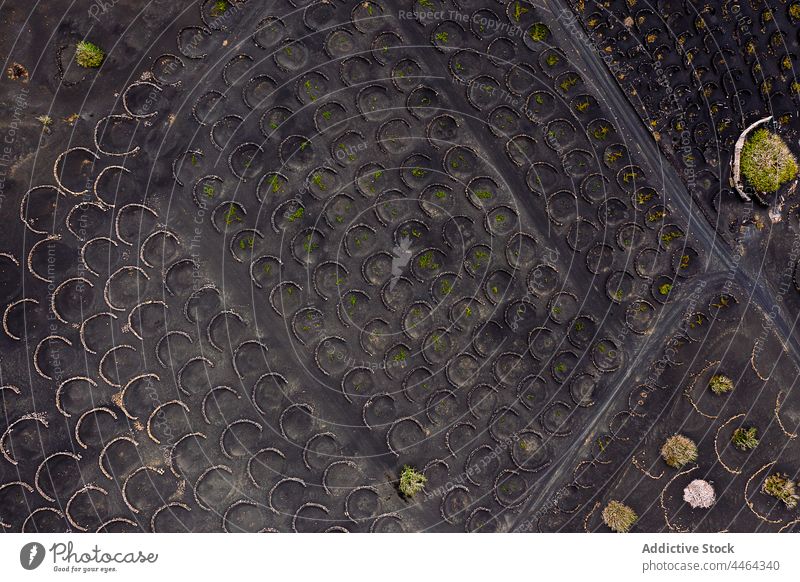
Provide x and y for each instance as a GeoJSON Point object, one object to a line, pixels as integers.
{"type": "Point", "coordinates": [679, 450]}
{"type": "Point", "coordinates": [699, 494]}
{"type": "Point", "coordinates": [779, 486]}
{"type": "Point", "coordinates": [619, 517]}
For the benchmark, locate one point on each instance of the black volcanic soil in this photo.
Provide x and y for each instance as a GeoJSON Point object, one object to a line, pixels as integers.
{"type": "Point", "coordinates": [264, 257]}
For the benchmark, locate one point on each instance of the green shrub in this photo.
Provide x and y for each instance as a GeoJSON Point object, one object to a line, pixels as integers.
{"type": "Point", "coordinates": [539, 32]}
{"type": "Point", "coordinates": [619, 517]}
{"type": "Point", "coordinates": [720, 384]}
{"type": "Point", "coordinates": [745, 439]}
{"type": "Point", "coordinates": [780, 487]}
{"type": "Point", "coordinates": [426, 261]}
{"type": "Point", "coordinates": [679, 450]}
{"type": "Point", "coordinates": [88, 55]}
{"type": "Point", "coordinates": [767, 162]}
{"type": "Point", "coordinates": [219, 8]}
{"type": "Point", "coordinates": [411, 481]}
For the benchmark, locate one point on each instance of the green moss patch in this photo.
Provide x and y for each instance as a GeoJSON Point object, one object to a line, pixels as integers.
{"type": "Point", "coordinates": [89, 55]}
{"type": "Point", "coordinates": [767, 162]}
